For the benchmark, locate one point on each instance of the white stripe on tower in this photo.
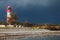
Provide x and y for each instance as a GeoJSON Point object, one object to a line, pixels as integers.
{"type": "Point", "coordinates": [8, 13]}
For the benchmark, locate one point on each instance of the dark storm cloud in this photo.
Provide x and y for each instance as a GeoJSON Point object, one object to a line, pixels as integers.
{"type": "Point", "coordinates": [33, 10]}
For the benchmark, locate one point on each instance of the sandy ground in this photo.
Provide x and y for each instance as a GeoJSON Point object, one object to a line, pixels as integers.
{"type": "Point", "coordinates": [30, 32]}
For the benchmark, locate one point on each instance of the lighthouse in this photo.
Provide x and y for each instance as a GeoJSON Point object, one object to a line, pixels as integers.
{"type": "Point", "coordinates": [9, 11]}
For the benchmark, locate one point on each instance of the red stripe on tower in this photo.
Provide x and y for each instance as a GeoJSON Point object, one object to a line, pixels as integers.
{"type": "Point", "coordinates": [9, 9]}
{"type": "Point", "coordinates": [8, 19]}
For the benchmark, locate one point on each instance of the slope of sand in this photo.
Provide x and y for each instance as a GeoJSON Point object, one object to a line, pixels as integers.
{"type": "Point", "coordinates": [27, 32]}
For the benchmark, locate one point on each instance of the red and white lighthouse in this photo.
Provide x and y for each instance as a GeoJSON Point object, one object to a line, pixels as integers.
{"type": "Point", "coordinates": [9, 10]}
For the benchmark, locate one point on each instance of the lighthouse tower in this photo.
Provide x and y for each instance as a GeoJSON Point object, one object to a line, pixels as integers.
{"type": "Point", "coordinates": [9, 10]}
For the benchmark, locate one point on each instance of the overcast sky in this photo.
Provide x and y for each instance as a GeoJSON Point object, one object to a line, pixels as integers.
{"type": "Point", "coordinates": [24, 3]}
